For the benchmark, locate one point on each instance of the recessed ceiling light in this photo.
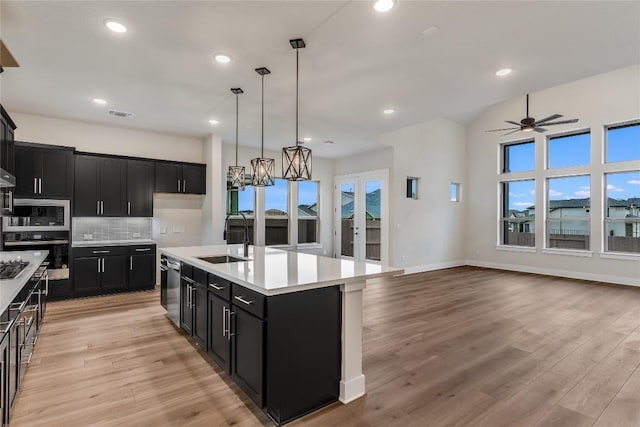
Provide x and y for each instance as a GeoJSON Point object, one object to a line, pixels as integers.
{"type": "Point", "coordinates": [222, 58]}
{"type": "Point", "coordinates": [431, 30]}
{"type": "Point", "coordinates": [213, 122]}
{"type": "Point", "coordinates": [99, 101]}
{"type": "Point", "coordinates": [389, 111]}
{"type": "Point", "coordinates": [306, 139]}
{"type": "Point", "coordinates": [115, 26]}
{"type": "Point", "coordinates": [503, 72]}
{"type": "Point", "coordinates": [328, 142]}
{"type": "Point", "coordinates": [383, 5]}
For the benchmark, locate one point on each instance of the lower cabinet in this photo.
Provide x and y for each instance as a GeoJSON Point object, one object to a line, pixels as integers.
{"type": "Point", "coordinates": [4, 379]}
{"type": "Point", "coordinates": [283, 351]}
{"type": "Point", "coordinates": [109, 269]}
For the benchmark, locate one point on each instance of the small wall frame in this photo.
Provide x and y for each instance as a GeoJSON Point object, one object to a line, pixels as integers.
{"type": "Point", "coordinates": [412, 187]}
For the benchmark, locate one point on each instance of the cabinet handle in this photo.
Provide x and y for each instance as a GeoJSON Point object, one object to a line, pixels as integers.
{"type": "Point", "coordinates": [10, 193]}
{"type": "Point", "coordinates": [224, 321]}
{"type": "Point", "coordinates": [229, 314]}
{"type": "Point", "coordinates": [40, 185]}
{"type": "Point", "coordinates": [143, 250]}
{"type": "Point", "coordinates": [186, 279]}
{"type": "Point", "coordinates": [184, 185]}
{"type": "Point", "coordinates": [97, 207]}
{"type": "Point", "coordinates": [35, 185]}
{"type": "Point", "coordinates": [241, 299]}
{"type": "Point", "coordinates": [100, 252]}
{"type": "Point", "coordinates": [128, 208]}
{"type": "Point", "coordinates": [178, 186]}
{"type": "Point", "coordinates": [130, 263]}
{"type": "Point", "coordinates": [103, 265]}
{"type": "Point", "coordinates": [216, 287]}
{"type": "Point", "coordinates": [101, 207]}
{"type": "Point", "coordinates": [98, 265]}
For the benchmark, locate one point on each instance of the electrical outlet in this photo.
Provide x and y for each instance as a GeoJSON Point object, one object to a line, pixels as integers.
{"type": "Point", "coordinates": [136, 235]}
{"type": "Point", "coordinates": [403, 257]}
{"type": "Point", "coordinates": [163, 230]}
{"type": "Point", "coordinates": [87, 237]}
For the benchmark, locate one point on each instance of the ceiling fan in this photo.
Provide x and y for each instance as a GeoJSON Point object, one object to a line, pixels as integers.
{"type": "Point", "coordinates": [529, 124]}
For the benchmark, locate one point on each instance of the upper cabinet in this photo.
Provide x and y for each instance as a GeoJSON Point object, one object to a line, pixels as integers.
{"type": "Point", "coordinates": [6, 142]}
{"type": "Point", "coordinates": [43, 171]}
{"type": "Point", "coordinates": [140, 175]}
{"type": "Point", "coordinates": [180, 178]}
{"type": "Point", "coordinates": [99, 186]}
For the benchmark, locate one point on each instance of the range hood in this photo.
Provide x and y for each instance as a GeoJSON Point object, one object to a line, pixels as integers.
{"type": "Point", "coordinates": [6, 179]}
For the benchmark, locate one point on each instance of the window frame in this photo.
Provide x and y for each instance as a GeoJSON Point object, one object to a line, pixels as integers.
{"type": "Point", "coordinates": [547, 151]}
{"type": "Point", "coordinates": [286, 217]}
{"type": "Point", "coordinates": [619, 125]}
{"type": "Point", "coordinates": [606, 219]}
{"type": "Point", "coordinates": [504, 157]}
{"type": "Point", "coordinates": [504, 218]}
{"type": "Point", "coordinates": [315, 218]}
{"type": "Point", "coordinates": [547, 219]}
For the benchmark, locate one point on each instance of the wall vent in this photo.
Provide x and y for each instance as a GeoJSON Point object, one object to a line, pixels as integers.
{"type": "Point", "coordinates": [120, 113]}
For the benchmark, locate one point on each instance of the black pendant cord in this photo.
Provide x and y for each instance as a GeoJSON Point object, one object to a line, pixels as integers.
{"type": "Point", "coordinates": [237, 129]}
{"type": "Point", "coordinates": [297, 97]}
{"type": "Point", "coordinates": [262, 125]}
{"type": "Point", "coordinates": [527, 105]}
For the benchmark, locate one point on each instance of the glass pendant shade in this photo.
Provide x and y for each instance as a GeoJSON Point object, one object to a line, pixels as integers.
{"type": "Point", "coordinates": [262, 172]}
{"type": "Point", "coordinates": [296, 163]}
{"type": "Point", "coordinates": [236, 178]}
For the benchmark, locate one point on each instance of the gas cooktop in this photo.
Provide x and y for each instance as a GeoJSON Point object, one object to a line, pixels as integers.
{"type": "Point", "coordinates": [11, 269]}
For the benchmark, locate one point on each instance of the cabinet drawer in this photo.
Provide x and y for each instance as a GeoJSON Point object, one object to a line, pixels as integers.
{"type": "Point", "coordinates": [186, 270]}
{"type": "Point", "coordinates": [200, 276]}
{"type": "Point", "coordinates": [248, 300]}
{"type": "Point", "coordinates": [142, 249]}
{"type": "Point", "coordinates": [219, 286]}
{"type": "Point", "coordinates": [99, 251]}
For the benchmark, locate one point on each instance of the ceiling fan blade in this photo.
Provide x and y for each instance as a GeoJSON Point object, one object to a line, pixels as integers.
{"type": "Point", "coordinates": [561, 122]}
{"type": "Point", "coordinates": [512, 123]}
{"type": "Point", "coordinates": [539, 130]}
{"type": "Point", "coordinates": [546, 119]}
{"type": "Point", "coordinates": [498, 130]}
{"type": "Point", "coordinates": [509, 133]}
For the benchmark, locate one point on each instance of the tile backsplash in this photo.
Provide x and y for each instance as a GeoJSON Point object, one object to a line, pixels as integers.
{"type": "Point", "coordinates": [101, 229]}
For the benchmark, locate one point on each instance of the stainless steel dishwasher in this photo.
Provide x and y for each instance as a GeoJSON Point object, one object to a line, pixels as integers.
{"type": "Point", "coordinates": [173, 291]}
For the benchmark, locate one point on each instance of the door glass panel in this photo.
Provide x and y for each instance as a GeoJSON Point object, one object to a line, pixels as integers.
{"type": "Point", "coordinates": [347, 195]}
{"type": "Point", "coordinates": [372, 219]}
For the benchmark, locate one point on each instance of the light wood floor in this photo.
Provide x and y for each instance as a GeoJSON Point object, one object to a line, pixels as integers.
{"type": "Point", "coordinates": [457, 347]}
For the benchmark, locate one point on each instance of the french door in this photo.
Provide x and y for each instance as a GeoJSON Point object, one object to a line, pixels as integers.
{"type": "Point", "coordinates": [361, 216]}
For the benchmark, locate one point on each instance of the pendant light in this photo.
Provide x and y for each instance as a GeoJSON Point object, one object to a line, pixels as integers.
{"type": "Point", "coordinates": [236, 173]}
{"type": "Point", "coordinates": [296, 160]}
{"type": "Point", "coordinates": [262, 169]}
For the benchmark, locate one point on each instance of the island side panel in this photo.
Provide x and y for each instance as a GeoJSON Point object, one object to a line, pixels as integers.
{"type": "Point", "coordinates": [352, 384]}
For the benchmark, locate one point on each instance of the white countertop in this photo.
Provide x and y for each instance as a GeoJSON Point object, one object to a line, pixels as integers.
{"type": "Point", "coordinates": [90, 243]}
{"type": "Point", "coordinates": [9, 289]}
{"type": "Point", "coordinates": [272, 271]}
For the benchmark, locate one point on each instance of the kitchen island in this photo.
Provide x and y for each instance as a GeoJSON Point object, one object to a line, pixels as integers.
{"type": "Point", "coordinates": [315, 300]}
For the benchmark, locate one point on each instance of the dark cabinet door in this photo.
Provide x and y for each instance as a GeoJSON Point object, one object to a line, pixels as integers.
{"type": "Point", "coordinates": [247, 354]}
{"type": "Point", "coordinates": [112, 187]}
{"type": "Point", "coordinates": [142, 269]}
{"type": "Point", "coordinates": [186, 311]}
{"type": "Point", "coordinates": [218, 334]}
{"type": "Point", "coordinates": [56, 178]}
{"type": "Point", "coordinates": [140, 177]}
{"type": "Point", "coordinates": [86, 273]}
{"type": "Point", "coordinates": [168, 177]}
{"type": "Point", "coordinates": [7, 151]}
{"type": "Point", "coordinates": [194, 179]}
{"type": "Point", "coordinates": [114, 272]}
{"type": "Point", "coordinates": [85, 200]}
{"type": "Point", "coordinates": [200, 315]}
{"type": "Point", "coordinates": [25, 172]}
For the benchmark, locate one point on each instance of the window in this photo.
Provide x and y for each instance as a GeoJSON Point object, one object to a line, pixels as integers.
{"type": "Point", "coordinates": [622, 218]}
{"type": "Point", "coordinates": [569, 150]}
{"type": "Point", "coordinates": [623, 143]}
{"type": "Point", "coordinates": [412, 187]}
{"type": "Point", "coordinates": [519, 157]}
{"type": "Point", "coordinates": [568, 212]}
{"type": "Point", "coordinates": [454, 192]}
{"type": "Point", "coordinates": [240, 201]}
{"type": "Point", "coordinates": [518, 213]}
{"type": "Point", "coordinates": [276, 202]}
{"type": "Point", "coordinates": [307, 211]}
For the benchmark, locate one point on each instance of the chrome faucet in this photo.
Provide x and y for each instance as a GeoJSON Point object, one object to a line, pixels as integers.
{"type": "Point", "coordinates": [245, 237]}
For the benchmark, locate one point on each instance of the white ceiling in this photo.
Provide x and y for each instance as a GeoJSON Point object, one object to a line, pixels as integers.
{"type": "Point", "coordinates": [357, 62]}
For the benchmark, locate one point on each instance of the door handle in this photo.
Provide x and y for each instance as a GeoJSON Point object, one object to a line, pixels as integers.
{"type": "Point", "coordinates": [35, 185]}
{"type": "Point", "coordinates": [229, 314]}
{"type": "Point", "coordinates": [98, 265]}
{"type": "Point", "coordinates": [97, 207]}
{"type": "Point", "coordinates": [101, 207]}
{"type": "Point", "coordinates": [130, 263]}
{"type": "Point", "coordinates": [178, 186]}
{"type": "Point", "coordinates": [184, 185]}
{"type": "Point", "coordinates": [224, 321]}
{"type": "Point", "coordinates": [40, 185]}
{"type": "Point", "coordinates": [103, 265]}
{"type": "Point", "coordinates": [128, 208]}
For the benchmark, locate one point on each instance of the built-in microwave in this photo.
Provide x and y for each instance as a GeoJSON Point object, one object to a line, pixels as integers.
{"type": "Point", "coordinates": [38, 215]}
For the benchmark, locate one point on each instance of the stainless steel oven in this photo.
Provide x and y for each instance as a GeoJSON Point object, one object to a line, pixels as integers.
{"type": "Point", "coordinates": [38, 215]}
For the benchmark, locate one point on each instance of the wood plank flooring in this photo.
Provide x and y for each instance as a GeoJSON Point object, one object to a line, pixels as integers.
{"type": "Point", "coordinates": [457, 347]}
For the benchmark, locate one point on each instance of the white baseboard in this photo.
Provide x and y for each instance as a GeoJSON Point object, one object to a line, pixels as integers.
{"type": "Point", "coordinates": [431, 267]}
{"type": "Point", "coordinates": [352, 389]}
{"type": "Point", "coordinates": [559, 273]}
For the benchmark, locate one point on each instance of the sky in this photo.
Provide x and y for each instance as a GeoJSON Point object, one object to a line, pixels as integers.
{"type": "Point", "coordinates": [623, 144]}
{"type": "Point", "coordinates": [276, 196]}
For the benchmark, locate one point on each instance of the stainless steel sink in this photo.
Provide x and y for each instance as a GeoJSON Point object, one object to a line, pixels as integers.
{"type": "Point", "coordinates": [221, 259]}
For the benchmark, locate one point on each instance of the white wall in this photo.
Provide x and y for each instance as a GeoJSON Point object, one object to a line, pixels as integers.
{"type": "Point", "coordinates": [322, 170]}
{"type": "Point", "coordinates": [597, 101]}
{"type": "Point", "coordinates": [97, 138]}
{"type": "Point", "coordinates": [214, 201]}
{"type": "Point", "coordinates": [381, 158]}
